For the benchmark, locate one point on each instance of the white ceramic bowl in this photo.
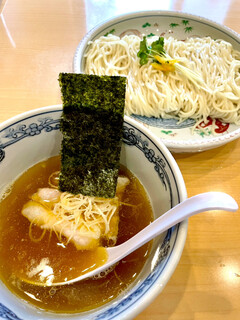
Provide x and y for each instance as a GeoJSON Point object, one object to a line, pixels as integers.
{"type": "Point", "coordinates": [34, 136]}
{"type": "Point", "coordinates": [178, 137]}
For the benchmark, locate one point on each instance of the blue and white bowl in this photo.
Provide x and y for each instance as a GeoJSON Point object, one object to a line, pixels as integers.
{"type": "Point", "coordinates": [34, 136]}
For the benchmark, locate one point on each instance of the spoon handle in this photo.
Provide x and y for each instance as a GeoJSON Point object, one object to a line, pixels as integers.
{"type": "Point", "coordinates": [189, 207]}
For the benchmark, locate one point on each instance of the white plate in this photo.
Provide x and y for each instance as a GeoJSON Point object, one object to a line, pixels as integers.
{"type": "Point", "coordinates": [178, 138]}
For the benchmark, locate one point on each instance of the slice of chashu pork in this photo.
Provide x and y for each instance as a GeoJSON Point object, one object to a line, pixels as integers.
{"type": "Point", "coordinates": [84, 221]}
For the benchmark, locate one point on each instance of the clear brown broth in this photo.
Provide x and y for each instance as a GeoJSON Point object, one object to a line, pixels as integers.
{"type": "Point", "coordinates": [16, 247]}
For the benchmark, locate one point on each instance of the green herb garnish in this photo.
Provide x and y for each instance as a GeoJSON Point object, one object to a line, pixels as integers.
{"type": "Point", "coordinates": [148, 52]}
{"type": "Point", "coordinates": [160, 60]}
{"type": "Point", "coordinates": [91, 124]}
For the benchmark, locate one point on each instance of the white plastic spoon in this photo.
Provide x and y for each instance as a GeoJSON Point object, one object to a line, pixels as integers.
{"type": "Point", "coordinates": [187, 208]}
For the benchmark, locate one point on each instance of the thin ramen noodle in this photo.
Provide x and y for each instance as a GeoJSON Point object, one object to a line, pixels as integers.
{"type": "Point", "coordinates": [171, 95]}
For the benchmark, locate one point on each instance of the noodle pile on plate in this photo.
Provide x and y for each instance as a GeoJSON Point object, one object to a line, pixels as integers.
{"type": "Point", "coordinates": [153, 93]}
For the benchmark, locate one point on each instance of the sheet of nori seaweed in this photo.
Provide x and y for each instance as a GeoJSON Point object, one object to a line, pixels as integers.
{"type": "Point", "coordinates": [91, 124]}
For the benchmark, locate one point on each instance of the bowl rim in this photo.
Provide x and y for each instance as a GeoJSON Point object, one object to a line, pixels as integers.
{"type": "Point", "coordinates": [157, 286]}
{"type": "Point", "coordinates": [174, 258]}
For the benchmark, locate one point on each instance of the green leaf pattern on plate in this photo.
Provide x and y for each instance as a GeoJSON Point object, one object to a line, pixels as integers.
{"type": "Point", "coordinates": [172, 25]}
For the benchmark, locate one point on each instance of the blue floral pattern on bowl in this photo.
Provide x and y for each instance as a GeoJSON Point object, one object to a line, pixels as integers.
{"type": "Point", "coordinates": [7, 314]}
{"type": "Point", "coordinates": [12, 135]}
